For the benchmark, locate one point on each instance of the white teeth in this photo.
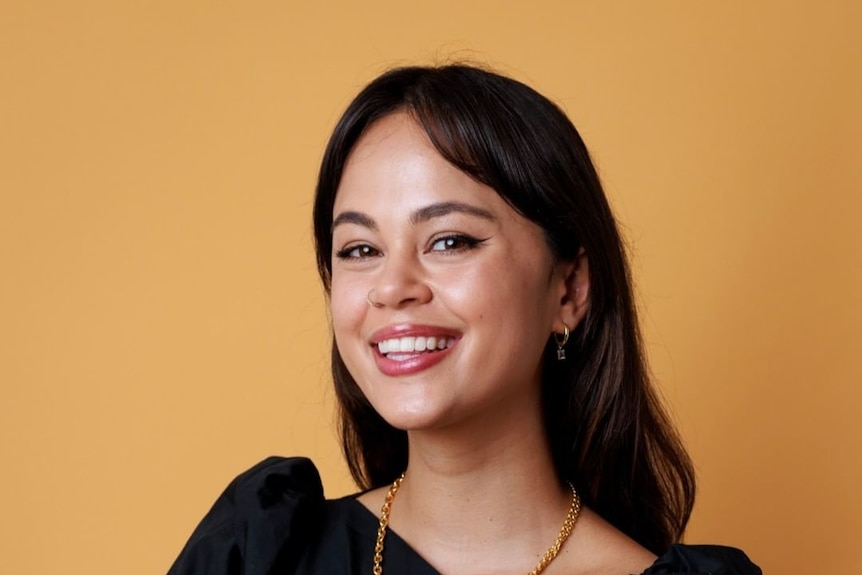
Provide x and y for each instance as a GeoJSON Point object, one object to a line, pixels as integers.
{"type": "Point", "coordinates": [408, 343]}
{"type": "Point", "coordinates": [414, 344]}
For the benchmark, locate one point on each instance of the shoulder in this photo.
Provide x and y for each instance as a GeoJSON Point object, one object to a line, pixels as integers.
{"type": "Point", "coordinates": [601, 549]}
{"type": "Point", "coordinates": [703, 560]}
{"type": "Point", "coordinates": [259, 521]}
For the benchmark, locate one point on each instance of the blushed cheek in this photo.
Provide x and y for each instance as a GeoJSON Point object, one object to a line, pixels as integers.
{"type": "Point", "coordinates": [343, 329]}
{"type": "Point", "coordinates": [347, 310]}
{"type": "Point", "coordinates": [342, 313]}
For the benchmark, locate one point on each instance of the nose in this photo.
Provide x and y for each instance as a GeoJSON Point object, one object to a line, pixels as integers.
{"type": "Point", "coordinates": [401, 282]}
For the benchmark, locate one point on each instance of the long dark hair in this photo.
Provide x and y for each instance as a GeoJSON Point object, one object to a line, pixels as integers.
{"type": "Point", "coordinates": [608, 432]}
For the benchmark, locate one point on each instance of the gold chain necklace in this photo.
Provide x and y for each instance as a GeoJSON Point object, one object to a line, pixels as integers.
{"type": "Point", "coordinates": [550, 554]}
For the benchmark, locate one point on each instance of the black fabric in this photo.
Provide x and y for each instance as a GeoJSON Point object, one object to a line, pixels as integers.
{"type": "Point", "coordinates": [274, 520]}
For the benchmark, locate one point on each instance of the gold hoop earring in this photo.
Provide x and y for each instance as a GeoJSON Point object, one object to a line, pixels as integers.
{"type": "Point", "coordinates": [561, 342]}
{"type": "Point", "coordinates": [371, 302]}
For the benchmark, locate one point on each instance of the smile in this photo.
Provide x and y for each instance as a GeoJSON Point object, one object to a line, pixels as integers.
{"type": "Point", "coordinates": [397, 347]}
{"type": "Point", "coordinates": [406, 349]}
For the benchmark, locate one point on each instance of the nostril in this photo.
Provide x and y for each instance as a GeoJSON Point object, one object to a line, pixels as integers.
{"type": "Point", "coordinates": [369, 297]}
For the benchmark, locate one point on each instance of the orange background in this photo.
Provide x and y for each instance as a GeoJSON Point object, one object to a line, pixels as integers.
{"type": "Point", "coordinates": [161, 325]}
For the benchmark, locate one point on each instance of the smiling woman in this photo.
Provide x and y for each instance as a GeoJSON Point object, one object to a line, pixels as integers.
{"type": "Point", "coordinates": [486, 360]}
{"type": "Point", "coordinates": [431, 240]}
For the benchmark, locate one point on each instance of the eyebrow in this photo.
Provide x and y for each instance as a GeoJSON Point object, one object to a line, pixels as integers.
{"type": "Point", "coordinates": [446, 208]}
{"type": "Point", "coordinates": [357, 218]}
{"type": "Point", "coordinates": [417, 217]}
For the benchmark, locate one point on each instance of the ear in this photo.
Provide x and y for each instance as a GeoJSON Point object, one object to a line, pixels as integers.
{"type": "Point", "coordinates": [574, 279]}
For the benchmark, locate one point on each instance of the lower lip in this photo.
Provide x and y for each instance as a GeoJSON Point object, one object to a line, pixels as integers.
{"type": "Point", "coordinates": [415, 364]}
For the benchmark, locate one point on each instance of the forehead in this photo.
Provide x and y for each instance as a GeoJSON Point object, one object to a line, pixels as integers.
{"type": "Point", "coordinates": [395, 164]}
{"type": "Point", "coordinates": [394, 134]}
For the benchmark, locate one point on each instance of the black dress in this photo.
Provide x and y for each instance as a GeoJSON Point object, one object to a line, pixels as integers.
{"type": "Point", "coordinates": [274, 520]}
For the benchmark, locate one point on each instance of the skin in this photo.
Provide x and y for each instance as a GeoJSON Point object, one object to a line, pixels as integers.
{"type": "Point", "coordinates": [441, 254]}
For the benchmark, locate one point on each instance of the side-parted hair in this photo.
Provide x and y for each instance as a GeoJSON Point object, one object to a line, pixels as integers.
{"type": "Point", "coordinates": [608, 432]}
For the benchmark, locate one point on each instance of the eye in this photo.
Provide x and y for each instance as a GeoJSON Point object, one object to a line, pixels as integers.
{"type": "Point", "coordinates": [357, 252]}
{"type": "Point", "coordinates": [455, 243]}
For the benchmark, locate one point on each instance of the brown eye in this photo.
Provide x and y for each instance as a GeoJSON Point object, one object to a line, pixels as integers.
{"type": "Point", "coordinates": [454, 243]}
{"type": "Point", "coordinates": [359, 252]}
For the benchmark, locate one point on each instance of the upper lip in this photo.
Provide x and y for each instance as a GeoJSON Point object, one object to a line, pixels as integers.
{"type": "Point", "coordinates": [411, 330]}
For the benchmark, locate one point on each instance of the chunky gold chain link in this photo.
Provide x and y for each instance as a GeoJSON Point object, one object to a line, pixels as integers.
{"type": "Point", "coordinates": [384, 523]}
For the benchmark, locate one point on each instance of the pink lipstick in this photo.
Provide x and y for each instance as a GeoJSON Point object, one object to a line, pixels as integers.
{"type": "Point", "coordinates": [407, 348]}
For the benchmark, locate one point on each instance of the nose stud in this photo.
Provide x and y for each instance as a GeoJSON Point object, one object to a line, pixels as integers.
{"type": "Point", "coordinates": [371, 302]}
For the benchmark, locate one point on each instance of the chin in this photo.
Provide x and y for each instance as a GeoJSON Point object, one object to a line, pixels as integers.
{"type": "Point", "coordinates": [412, 419]}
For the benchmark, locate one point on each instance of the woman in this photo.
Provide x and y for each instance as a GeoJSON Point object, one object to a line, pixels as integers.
{"type": "Point", "coordinates": [495, 406]}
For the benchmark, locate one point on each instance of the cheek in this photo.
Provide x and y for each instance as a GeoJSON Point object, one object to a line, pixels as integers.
{"type": "Point", "coordinates": [518, 299]}
{"type": "Point", "coordinates": [503, 285]}
{"type": "Point", "coordinates": [347, 308]}
{"type": "Point", "coordinates": [348, 312]}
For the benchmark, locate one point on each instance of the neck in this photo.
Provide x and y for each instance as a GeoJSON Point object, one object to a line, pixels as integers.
{"type": "Point", "coordinates": [493, 486]}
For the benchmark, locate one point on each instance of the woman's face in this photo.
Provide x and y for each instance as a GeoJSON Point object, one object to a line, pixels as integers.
{"type": "Point", "coordinates": [465, 291]}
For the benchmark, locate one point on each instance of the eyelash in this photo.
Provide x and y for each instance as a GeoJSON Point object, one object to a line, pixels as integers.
{"type": "Point", "coordinates": [454, 243]}
{"type": "Point", "coordinates": [344, 254]}
{"type": "Point", "coordinates": [461, 242]}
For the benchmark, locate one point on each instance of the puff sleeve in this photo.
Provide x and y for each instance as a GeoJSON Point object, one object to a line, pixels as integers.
{"type": "Point", "coordinates": [261, 524]}
{"type": "Point", "coordinates": [703, 560]}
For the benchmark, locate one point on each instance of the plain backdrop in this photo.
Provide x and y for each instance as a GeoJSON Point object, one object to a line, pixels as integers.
{"type": "Point", "coordinates": [161, 323]}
